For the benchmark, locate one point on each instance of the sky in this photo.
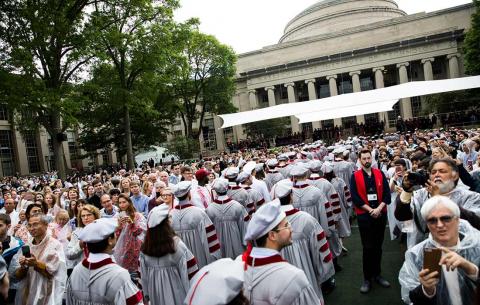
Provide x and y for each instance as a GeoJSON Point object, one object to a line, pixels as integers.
{"type": "Point", "coordinates": [248, 25]}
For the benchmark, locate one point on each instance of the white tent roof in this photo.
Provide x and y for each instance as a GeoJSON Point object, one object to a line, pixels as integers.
{"type": "Point", "coordinates": [350, 104]}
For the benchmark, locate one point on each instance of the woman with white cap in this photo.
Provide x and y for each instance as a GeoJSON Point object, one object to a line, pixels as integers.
{"type": "Point", "coordinates": [166, 264]}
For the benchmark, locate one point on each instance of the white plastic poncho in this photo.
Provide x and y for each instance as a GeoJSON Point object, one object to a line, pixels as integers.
{"type": "Point", "coordinates": [469, 248]}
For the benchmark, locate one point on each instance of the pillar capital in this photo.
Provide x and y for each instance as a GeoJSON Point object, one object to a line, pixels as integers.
{"type": "Point", "coordinates": [381, 69]}
{"type": "Point", "coordinates": [252, 91]}
{"type": "Point", "coordinates": [403, 64]}
{"type": "Point", "coordinates": [291, 84]}
{"type": "Point", "coordinates": [311, 80]}
{"type": "Point", "coordinates": [430, 59]}
{"type": "Point", "coordinates": [269, 88]}
{"type": "Point", "coordinates": [354, 73]}
{"type": "Point", "coordinates": [453, 55]}
{"type": "Point", "coordinates": [331, 76]}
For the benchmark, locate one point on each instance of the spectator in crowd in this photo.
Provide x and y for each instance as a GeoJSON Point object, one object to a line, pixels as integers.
{"type": "Point", "coordinates": [459, 243]}
{"type": "Point", "coordinates": [42, 273]}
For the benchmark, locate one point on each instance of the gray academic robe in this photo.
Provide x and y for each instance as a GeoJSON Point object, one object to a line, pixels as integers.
{"type": "Point", "coordinates": [102, 283]}
{"type": "Point", "coordinates": [468, 248]}
{"type": "Point", "coordinates": [166, 279]}
{"type": "Point", "coordinates": [197, 231]}
{"type": "Point", "coordinates": [344, 229]}
{"type": "Point", "coordinates": [278, 283]}
{"type": "Point", "coordinates": [238, 194]}
{"type": "Point", "coordinates": [343, 170]}
{"type": "Point", "coordinates": [309, 250]}
{"type": "Point", "coordinates": [230, 219]}
{"type": "Point", "coordinates": [311, 200]}
{"type": "Point", "coordinates": [271, 178]}
{"type": "Point", "coordinates": [255, 199]}
{"type": "Point", "coordinates": [464, 198]}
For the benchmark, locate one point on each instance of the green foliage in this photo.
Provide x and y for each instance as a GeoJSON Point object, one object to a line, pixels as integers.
{"type": "Point", "coordinates": [451, 101]}
{"type": "Point", "coordinates": [268, 129]}
{"type": "Point", "coordinates": [200, 77]}
{"type": "Point", "coordinates": [184, 148]}
{"type": "Point", "coordinates": [471, 45]}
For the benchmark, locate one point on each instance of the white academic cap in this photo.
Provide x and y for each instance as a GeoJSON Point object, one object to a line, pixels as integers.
{"type": "Point", "coordinates": [216, 284]}
{"type": "Point", "coordinates": [272, 162]}
{"type": "Point", "coordinates": [220, 185]}
{"type": "Point", "coordinates": [259, 167]}
{"type": "Point", "coordinates": [249, 167]}
{"type": "Point", "coordinates": [283, 188]}
{"type": "Point", "coordinates": [241, 163]}
{"type": "Point", "coordinates": [298, 170]}
{"type": "Point", "coordinates": [242, 177]}
{"type": "Point", "coordinates": [327, 167]}
{"type": "Point", "coordinates": [315, 165]}
{"type": "Point", "coordinates": [98, 230]}
{"type": "Point", "coordinates": [346, 153]}
{"type": "Point", "coordinates": [182, 188]}
{"type": "Point", "coordinates": [282, 157]}
{"type": "Point", "coordinates": [231, 172]}
{"type": "Point", "coordinates": [157, 215]}
{"type": "Point", "coordinates": [267, 217]}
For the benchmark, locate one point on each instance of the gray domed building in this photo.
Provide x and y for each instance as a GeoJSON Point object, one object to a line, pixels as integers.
{"type": "Point", "coordinates": [342, 46]}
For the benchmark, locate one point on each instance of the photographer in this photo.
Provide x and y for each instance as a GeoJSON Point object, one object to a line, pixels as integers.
{"type": "Point", "coordinates": [453, 282]}
{"type": "Point", "coordinates": [443, 181]}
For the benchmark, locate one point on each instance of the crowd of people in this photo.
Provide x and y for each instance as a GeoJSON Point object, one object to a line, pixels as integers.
{"type": "Point", "coordinates": [255, 226]}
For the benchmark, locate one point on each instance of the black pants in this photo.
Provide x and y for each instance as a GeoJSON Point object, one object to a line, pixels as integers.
{"type": "Point", "coordinates": [372, 232]}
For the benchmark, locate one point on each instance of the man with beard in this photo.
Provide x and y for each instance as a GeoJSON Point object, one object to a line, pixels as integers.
{"type": "Point", "coordinates": [269, 279]}
{"type": "Point", "coordinates": [443, 181]}
{"type": "Point", "coordinates": [370, 196]}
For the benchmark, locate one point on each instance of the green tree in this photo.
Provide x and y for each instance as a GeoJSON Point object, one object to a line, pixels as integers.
{"type": "Point", "coordinates": [200, 78]}
{"type": "Point", "coordinates": [101, 114]}
{"type": "Point", "coordinates": [44, 46]}
{"type": "Point", "coordinates": [471, 46]}
{"type": "Point", "coordinates": [134, 40]}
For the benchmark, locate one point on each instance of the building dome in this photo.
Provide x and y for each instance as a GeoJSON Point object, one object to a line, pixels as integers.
{"type": "Point", "coordinates": [329, 16]}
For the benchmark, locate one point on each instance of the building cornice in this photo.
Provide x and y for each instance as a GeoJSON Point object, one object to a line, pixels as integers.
{"type": "Point", "coordinates": [453, 34]}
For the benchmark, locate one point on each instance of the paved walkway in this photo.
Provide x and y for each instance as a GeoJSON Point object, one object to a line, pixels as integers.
{"type": "Point", "coordinates": [350, 278]}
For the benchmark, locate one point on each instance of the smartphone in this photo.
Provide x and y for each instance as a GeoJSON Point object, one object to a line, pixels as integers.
{"type": "Point", "coordinates": [431, 259]}
{"type": "Point", "coordinates": [470, 164]}
{"type": "Point", "coordinates": [26, 251]}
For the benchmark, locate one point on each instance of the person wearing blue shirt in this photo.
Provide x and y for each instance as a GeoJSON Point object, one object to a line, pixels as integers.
{"type": "Point", "coordinates": [140, 201]}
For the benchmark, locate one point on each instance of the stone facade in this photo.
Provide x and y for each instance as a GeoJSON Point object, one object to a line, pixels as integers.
{"type": "Point", "coordinates": [343, 46]}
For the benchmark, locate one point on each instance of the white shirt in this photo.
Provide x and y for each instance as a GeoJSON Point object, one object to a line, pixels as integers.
{"type": "Point", "coordinates": [263, 252]}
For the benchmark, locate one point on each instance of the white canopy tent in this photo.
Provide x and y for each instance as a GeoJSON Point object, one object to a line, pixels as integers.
{"type": "Point", "coordinates": [352, 103]}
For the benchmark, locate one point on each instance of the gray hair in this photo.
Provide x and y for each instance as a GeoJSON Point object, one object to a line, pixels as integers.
{"type": "Point", "coordinates": [439, 201]}
{"type": "Point", "coordinates": [45, 219]}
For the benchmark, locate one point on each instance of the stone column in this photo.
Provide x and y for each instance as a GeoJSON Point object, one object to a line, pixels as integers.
{"type": "Point", "coordinates": [405, 105]}
{"type": "Point", "coordinates": [252, 96]}
{"type": "Point", "coordinates": [379, 83]}
{"type": "Point", "coordinates": [220, 139]}
{"type": "Point", "coordinates": [271, 95]}
{"type": "Point", "coordinates": [453, 65]}
{"type": "Point", "coordinates": [312, 95]}
{"type": "Point", "coordinates": [292, 99]}
{"type": "Point", "coordinates": [332, 83]}
{"type": "Point", "coordinates": [357, 88]}
{"type": "Point", "coordinates": [427, 68]}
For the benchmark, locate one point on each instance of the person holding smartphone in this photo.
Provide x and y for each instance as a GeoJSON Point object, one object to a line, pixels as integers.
{"type": "Point", "coordinates": [459, 243]}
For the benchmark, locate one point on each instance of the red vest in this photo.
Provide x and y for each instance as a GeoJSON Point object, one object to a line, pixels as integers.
{"type": "Point", "coordinates": [362, 190]}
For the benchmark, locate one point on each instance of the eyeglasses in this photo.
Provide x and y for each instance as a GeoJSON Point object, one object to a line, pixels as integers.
{"type": "Point", "coordinates": [286, 226]}
{"type": "Point", "coordinates": [443, 219]}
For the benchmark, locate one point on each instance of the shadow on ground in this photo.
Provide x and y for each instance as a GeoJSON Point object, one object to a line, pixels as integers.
{"type": "Point", "coordinates": [350, 278]}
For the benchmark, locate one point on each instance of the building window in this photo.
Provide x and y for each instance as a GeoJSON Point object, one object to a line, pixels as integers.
{"type": "Point", "coordinates": [50, 158]}
{"type": "Point", "coordinates": [7, 157]}
{"type": "Point", "coordinates": [283, 93]}
{"type": "Point", "coordinates": [307, 128]}
{"type": "Point", "coordinates": [3, 112]}
{"type": "Point", "coordinates": [208, 132]}
{"type": "Point", "coordinates": [72, 145]}
{"type": "Point", "coordinates": [32, 152]}
{"type": "Point", "coordinates": [393, 115]}
{"type": "Point", "coordinates": [345, 86]}
{"type": "Point", "coordinates": [366, 84]}
{"type": "Point", "coordinates": [416, 103]}
{"type": "Point", "coordinates": [228, 134]}
{"type": "Point", "coordinates": [371, 118]}
{"type": "Point", "coordinates": [105, 157]}
{"type": "Point", "coordinates": [327, 123]}
{"type": "Point", "coordinates": [324, 91]}
{"type": "Point", "coordinates": [349, 121]}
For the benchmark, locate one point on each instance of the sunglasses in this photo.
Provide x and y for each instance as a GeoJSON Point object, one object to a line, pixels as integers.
{"type": "Point", "coordinates": [443, 219]}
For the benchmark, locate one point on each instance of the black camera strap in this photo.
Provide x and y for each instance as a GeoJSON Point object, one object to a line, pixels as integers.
{"type": "Point", "coordinates": [417, 221]}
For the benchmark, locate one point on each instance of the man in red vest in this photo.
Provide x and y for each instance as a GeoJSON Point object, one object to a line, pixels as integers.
{"type": "Point", "coordinates": [370, 196]}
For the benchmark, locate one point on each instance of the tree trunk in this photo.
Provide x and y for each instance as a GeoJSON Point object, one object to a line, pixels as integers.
{"type": "Point", "coordinates": [128, 138]}
{"type": "Point", "coordinates": [58, 152]}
